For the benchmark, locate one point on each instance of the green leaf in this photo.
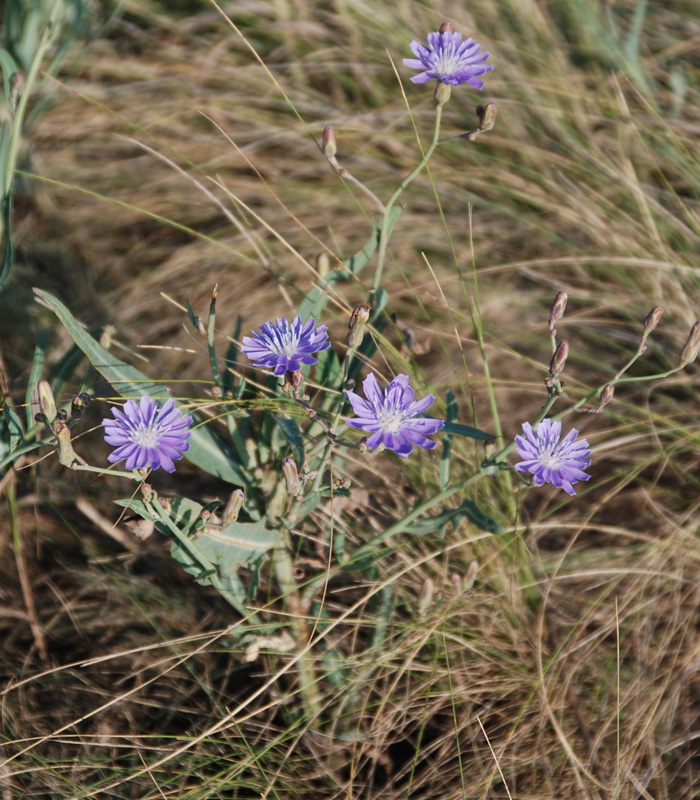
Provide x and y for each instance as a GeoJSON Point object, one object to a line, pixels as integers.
{"type": "Point", "coordinates": [468, 509]}
{"type": "Point", "coordinates": [292, 434]}
{"type": "Point", "coordinates": [207, 451]}
{"type": "Point", "coordinates": [450, 416]}
{"type": "Point", "coordinates": [7, 255]}
{"type": "Point", "coordinates": [15, 430]}
{"type": "Point", "coordinates": [34, 378]}
{"type": "Point", "coordinates": [317, 299]}
{"type": "Point", "coordinates": [466, 430]}
{"type": "Point", "coordinates": [9, 68]}
{"type": "Point", "coordinates": [240, 544]}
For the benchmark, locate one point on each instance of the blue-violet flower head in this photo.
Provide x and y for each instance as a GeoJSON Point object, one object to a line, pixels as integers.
{"type": "Point", "coordinates": [390, 416]}
{"type": "Point", "coordinates": [284, 346]}
{"type": "Point", "coordinates": [550, 460]}
{"type": "Point", "coordinates": [148, 435]}
{"type": "Point", "coordinates": [449, 59]}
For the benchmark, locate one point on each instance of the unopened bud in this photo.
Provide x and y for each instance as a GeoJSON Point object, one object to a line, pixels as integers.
{"type": "Point", "coordinates": [217, 392]}
{"type": "Point", "coordinates": [47, 404]}
{"type": "Point", "coordinates": [356, 326]}
{"type": "Point", "coordinates": [443, 92]}
{"type": "Point", "coordinates": [690, 349]}
{"type": "Point", "coordinates": [66, 455]}
{"type": "Point", "coordinates": [557, 310]}
{"type": "Point", "coordinates": [293, 381]}
{"type": "Point", "coordinates": [291, 477]}
{"type": "Point", "coordinates": [558, 362]}
{"type": "Point", "coordinates": [106, 336]}
{"type": "Point", "coordinates": [148, 493]}
{"type": "Point", "coordinates": [426, 596]}
{"type": "Point", "coordinates": [487, 116]}
{"type": "Point", "coordinates": [330, 143]}
{"type": "Point", "coordinates": [456, 581]}
{"type": "Point", "coordinates": [606, 396]}
{"type": "Point", "coordinates": [653, 318]}
{"type": "Point", "coordinates": [40, 417]}
{"type": "Point", "coordinates": [446, 27]}
{"type": "Point", "coordinates": [233, 506]}
{"type": "Point", "coordinates": [470, 576]}
{"type": "Point", "coordinates": [323, 264]}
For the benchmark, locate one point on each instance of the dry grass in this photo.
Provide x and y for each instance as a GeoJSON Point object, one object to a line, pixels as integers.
{"type": "Point", "coordinates": [570, 669]}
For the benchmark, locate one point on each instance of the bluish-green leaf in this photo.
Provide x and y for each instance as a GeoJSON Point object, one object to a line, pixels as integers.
{"type": "Point", "coordinates": [292, 434]}
{"type": "Point", "coordinates": [458, 429]}
{"type": "Point", "coordinates": [207, 451]}
{"type": "Point", "coordinates": [34, 378]}
{"type": "Point", "coordinates": [468, 509]}
{"type": "Point", "coordinates": [317, 298]}
{"type": "Point", "coordinates": [9, 68]}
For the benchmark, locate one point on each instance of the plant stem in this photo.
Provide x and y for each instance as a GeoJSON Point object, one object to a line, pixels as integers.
{"type": "Point", "coordinates": [284, 572]}
{"type": "Point", "coordinates": [384, 235]}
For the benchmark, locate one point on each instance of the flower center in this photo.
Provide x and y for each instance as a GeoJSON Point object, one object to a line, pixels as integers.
{"type": "Point", "coordinates": [146, 436]}
{"type": "Point", "coordinates": [391, 419]}
{"type": "Point", "coordinates": [287, 343]}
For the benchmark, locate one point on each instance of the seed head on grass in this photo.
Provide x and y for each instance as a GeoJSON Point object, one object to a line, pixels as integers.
{"type": "Point", "coordinates": [550, 460]}
{"type": "Point", "coordinates": [284, 346]}
{"type": "Point", "coordinates": [390, 416]}
{"type": "Point", "coordinates": [449, 59]}
{"type": "Point", "coordinates": [148, 435]}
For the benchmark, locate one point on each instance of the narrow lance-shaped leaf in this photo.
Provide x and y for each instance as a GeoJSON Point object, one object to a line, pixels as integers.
{"type": "Point", "coordinates": [207, 451]}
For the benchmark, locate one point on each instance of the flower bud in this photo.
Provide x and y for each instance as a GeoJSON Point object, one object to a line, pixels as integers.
{"type": "Point", "coordinates": [470, 576]}
{"type": "Point", "coordinates": [323, 264]}
{"type": "Point", "coordinates": [233, 506]}
{"type": "Point", "coordinates": [653, 318]}
{"type": "Point", "coordinates": [487, 116]}
{"type": "Point", "coordinates": [446, 27]}
{"type": "Point", "coordinates": [47, 404]}
{"type": "Point", "coordinates": [443, 92]}
{"type": "Point", "coordinates": [606, 396]}
{"type": "Point", "coordinates": [690, 349]}
{"type": "Point", "coordinates": [293, 381]}
{"type": "Point", "coordinates": [66, 455]}
{"type": "Point", "coordinates": [558, 362]}
{"type": "Point", "coordinates": [148, 493]}
{"type": "Point", "coordinates": [291, 477]}
{"type": "Point", "coordinates": [106, 336]}
{"type": "Point", "coordinates": [62, 415]}
{"type": "Point", "coordinates": [330, 143]}
{"type": "Point", "coordinates": [356, 326]}
{"type": "Point", "coordinates": [558, 309]}
{"type": "Point", "coordinates": [426, 596]}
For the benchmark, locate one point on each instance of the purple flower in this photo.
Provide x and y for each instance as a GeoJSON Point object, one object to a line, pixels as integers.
{"type": "Point", "coordinates": [560, 463]}
{"type": "Point", "coordinates": [391, 416]}
{"type": "Point", "coordinates": [284, 346]}
{"type": "Point", "coordinates": [449, 59]}
{"type": "Point", "coordinates": [147, 434]}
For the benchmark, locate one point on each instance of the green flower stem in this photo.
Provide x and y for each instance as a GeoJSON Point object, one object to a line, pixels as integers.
{"type": "Point", "coordinates": [100, 470]}
{"type": "Point", "coordinates": [328, 449]}
{"type": "Point", "coordinates": [207, 567]}
{"type": "Point", "coordinates": [384, 236]}
{"type": "Point", "coordinates": [284, 572]}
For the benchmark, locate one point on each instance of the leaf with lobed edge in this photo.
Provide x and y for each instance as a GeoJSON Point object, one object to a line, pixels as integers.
{"type": "Point", "coordinates": [207, 451]}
